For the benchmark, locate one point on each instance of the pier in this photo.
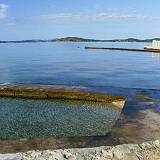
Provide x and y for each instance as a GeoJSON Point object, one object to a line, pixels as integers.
{"type": "Point", "coordinates": [124, 49]}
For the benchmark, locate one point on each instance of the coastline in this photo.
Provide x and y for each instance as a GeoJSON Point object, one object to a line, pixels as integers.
{"type": "Point", "coordinates": [78, 39]}
{"type": "Point", "coordinates": [145, 151]}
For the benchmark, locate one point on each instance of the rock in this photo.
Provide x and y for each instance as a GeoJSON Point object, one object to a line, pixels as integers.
{"type": "Point", "coordinates": [10, 157]}
{"type": "Point", "coordinates": [144, 151]}
{"type": "Point", "coordinates": [107, 154]}
{"type": "Point", "coordinates": [71, 157]}
{"type": "Point", "coordinates": [156, 143]}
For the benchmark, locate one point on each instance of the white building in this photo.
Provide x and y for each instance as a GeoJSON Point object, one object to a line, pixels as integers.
{"type": "Point", "coordinates": [155, 45]}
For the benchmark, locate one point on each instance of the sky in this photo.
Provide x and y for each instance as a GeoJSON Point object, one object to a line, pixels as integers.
{"type": "Point", "coordinates": [98, 19]}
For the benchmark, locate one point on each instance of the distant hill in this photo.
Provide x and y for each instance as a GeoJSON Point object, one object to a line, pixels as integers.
{"type": "Point", "coordinates": [74, 39]}
{"type": "Point", "coordinates": [150, 40]}
{"type": "Point", "coordinates": [126, 40]}
{"type": "Point", "coordinates": [77, 39]}
{"type": "Point", "coordinates": [24, 41]}
{"type": "Point", "coordinates": [132, 40]}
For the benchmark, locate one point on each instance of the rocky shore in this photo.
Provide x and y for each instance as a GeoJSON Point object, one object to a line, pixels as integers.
{"type": "Point", "coordinates": [144, 151]}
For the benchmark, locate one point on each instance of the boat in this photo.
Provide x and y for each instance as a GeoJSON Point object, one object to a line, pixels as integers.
{"type": "Point", "coordinates": [154, 46]}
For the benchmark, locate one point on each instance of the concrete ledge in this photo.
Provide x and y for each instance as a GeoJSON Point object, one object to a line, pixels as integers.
{"type": "Point", "coordinates": [145, 151]}
{"type": "Point", "coordinates": [124, 49]}
{"type": "Point", "coordinates": [53, 93]}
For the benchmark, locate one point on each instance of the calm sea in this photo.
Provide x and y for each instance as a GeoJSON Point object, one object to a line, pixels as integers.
{"type": "Point", "coordinates": [71, 65]}
{"type": "Point", "coordinates": [135, 75]}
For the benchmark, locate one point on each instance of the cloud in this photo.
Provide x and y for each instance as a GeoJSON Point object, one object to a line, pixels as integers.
{"type": "Point", "coordinates": [3, 11]}
{"type": "Point", "coordinates": [61, 16]}
{"type": "Point", "coordinates": [11, 24]}
{"type": "Point", "coordinates": [106, 16]}
{"type": "Point", "coordinates": [122, 16]}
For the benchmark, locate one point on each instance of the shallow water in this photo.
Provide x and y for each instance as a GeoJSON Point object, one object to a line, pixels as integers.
{"type": "Point", "coordinates": [132, 74]}
{"type": "Point", "coordinates": [22, 118]}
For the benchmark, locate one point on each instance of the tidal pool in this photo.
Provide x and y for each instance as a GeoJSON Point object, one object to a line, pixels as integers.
{"type": "Point", "coordinates": [24, 118]}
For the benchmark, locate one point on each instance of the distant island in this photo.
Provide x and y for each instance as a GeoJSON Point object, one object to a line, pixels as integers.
{"type": "Point", "coordinates": [77, 39]}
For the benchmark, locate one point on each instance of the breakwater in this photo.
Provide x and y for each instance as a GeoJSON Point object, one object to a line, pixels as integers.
{"type": "Point", "coordinates": [124, 49]}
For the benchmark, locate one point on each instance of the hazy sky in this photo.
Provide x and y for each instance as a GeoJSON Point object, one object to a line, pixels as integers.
{"type": "Point", "coordinates": [100, 19]}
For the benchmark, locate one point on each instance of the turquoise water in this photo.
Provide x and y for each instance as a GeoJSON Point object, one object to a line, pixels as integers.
{"type": "Point", "coordinates": [21, 118]}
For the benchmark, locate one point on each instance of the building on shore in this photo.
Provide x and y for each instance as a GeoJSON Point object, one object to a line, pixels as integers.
{"type": "Point", "coordinates": [155, 46]}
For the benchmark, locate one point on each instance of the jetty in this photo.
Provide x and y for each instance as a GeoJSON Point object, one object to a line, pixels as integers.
{"type": "Point", "coordinates": [124, 49]}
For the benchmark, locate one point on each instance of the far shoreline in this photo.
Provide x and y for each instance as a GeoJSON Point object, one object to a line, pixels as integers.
{"type": "Point", "coordinates": [77, 39]}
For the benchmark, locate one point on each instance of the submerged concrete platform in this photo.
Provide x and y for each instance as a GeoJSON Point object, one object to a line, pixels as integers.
{"type": "Point", "coordinates": [56, 93]}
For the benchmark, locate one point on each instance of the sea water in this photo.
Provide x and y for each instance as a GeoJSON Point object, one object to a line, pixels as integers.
{"type": "Point", "coordinates": [132, 74]}
{"type": "Point", "coordinates": [22, 118]}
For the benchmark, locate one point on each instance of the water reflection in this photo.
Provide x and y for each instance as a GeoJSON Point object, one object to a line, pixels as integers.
{"type": "Point", "coordinates": [156, 56]}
